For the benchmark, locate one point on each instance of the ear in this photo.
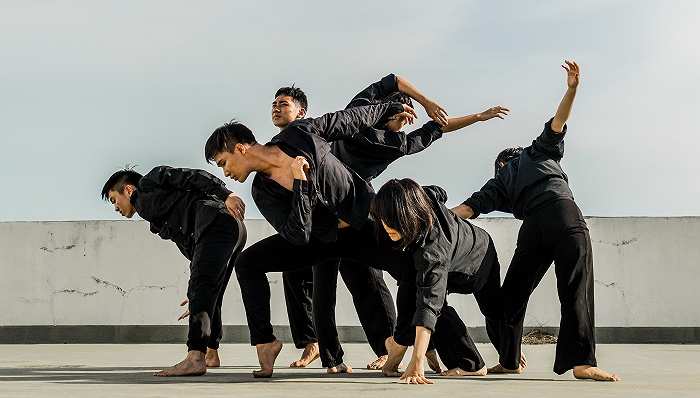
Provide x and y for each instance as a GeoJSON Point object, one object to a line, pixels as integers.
{"type": "Point", "coordinates": [240, 148]}
{"type": "Point", "coordinates": [301, 114]}
{"type": "Point", "coordinates": [129, 190]}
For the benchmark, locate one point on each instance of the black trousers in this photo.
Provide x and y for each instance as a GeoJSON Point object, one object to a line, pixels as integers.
{"type": "Point", "coordinates": [366, 286]}
{"type": "Point", "coordinates": [371, 298]}
{"type": "Point", "coordinates": [451, 338]}
{"type": "Point", "coordinates": [210, 270]}
{"type": "Point", "coordinates": [298, 293]}
{"type": "Point", "coordinates": [556, 232]}
{"type": "Point", "coordinates": [275, 253]}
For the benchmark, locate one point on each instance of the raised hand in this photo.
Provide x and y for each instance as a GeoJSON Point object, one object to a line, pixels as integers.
{"type": "Point", "coordinates": [573, 73]}
{"type": "Point", "coordinates": [408, 112]}
{"type": "Point", "coordinates": [496, 111]}
{"type": "Point", "coordinates": [436, 112]}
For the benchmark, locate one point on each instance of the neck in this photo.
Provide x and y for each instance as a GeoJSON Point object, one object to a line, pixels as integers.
{"type": "Point", "coordinates": [268, 159]}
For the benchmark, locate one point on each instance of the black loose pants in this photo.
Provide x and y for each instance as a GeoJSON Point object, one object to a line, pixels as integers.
{"type": "Point", "coordinates": [555, 232]}
{"type": "Point", "coordinates": [275, 253]}
{"type": "Point", "coordinates": [210, 270]}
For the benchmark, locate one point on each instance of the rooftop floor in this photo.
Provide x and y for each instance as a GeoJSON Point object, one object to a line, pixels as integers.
{"type": "Point", "coordinates": [125, 370]}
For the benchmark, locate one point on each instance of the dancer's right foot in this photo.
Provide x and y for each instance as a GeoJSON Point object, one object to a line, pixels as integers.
{"type": "Point", "coordinates": [310, 354]}
{"type": "Point", "coordinates": [341, 368]}
{"type": "Point", "coordinates": [378, 363]}
{"type": "Point", "coordinates": [500, 369]}
{"type": "Point", "coordinates": [594, 373]}
{"type": "Point", "coordinates": [460, 372]}
{"type": "Point", "coordinates": [267, 354]}
{"type": "Point", "coordinates": [393, 361]}
{"type": "Point", "coordinates": [433, 362]}
{"type": "Point", "coordinates": [192, 365]}
{"type": "Point", "coordinates": [212, 358]}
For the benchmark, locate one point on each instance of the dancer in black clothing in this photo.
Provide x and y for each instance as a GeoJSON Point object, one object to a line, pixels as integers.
{"type": "Point", "coordinates": [291, 104]}
{"type": "Point", "coordinates": [450, 255]}
{"type": "Point", "coordinates": [307, 195]}
{"type": "Point", "coordinates": [368, 154]}
{"type": "Point", "coordinates": [193, 209]}
{"type": "Point", "coordinates": [531, 184]}
{"type": "Point", "coordinates": [365, 284]}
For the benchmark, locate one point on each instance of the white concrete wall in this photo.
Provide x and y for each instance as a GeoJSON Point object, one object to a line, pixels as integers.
{"type": "Point", "coordinates": [117, 273]}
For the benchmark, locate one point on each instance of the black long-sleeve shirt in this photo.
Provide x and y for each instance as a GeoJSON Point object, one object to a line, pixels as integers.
{"type": "Point", "coordinates": [375, 147]}
{"type": "Point", "coordinates": [447, 259]}
{"type": "Point", "coordinates": [528, 181]}
{"type": "Point", "coordinates": [180, 203]}
{"type": "Point", "coordinates": [332, 191]}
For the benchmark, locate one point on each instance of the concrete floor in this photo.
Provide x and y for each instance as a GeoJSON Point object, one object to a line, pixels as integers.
{"type": "Point", "coordinates": [125, 370]}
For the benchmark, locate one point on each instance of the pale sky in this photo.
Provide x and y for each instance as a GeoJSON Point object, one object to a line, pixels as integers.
{"type": "Point", "coordinates": [87, 87]}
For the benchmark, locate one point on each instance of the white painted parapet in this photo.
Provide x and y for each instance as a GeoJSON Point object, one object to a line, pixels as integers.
{"type": "Point", "coordinates": [647, 273]}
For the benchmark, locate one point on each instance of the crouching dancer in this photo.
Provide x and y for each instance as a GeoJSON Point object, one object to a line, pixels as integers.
{"type": "Point", "coordinates": [193, 209]}
{"type": "Point", "coordinates": [450, 255]}
{"type": "Point", "coordinates": [531, 184]}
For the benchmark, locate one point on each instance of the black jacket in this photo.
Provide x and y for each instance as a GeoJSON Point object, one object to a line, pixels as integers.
{"type": "Point", "coordinates": [332, 191]}
{"type": "Point", "coordinates": [375, 147]}
{"type": "Point", "coordinates": [447, 259]}
{"type": "Point", "coordinates": [180, 203]}
{"type": "Point", "coordinates": [528, 181]}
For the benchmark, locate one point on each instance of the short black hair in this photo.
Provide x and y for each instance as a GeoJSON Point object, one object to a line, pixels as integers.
{"type": "Point", "coordinates": [119, 180]}
{"type": "Point", "coordinates": [396, 96]}
{"type": "Point", "coordinates": [297, 95]}
{"type": "Point", "coordinates": [404, 206]}
{"type": "Point", "coordinates": [505, 156]}
{"type": "Point", "coordinates": [226, 137]}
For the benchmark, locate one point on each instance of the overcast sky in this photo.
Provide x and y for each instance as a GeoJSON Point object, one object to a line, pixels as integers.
{"type": "Point", "coordinates": [87, 87]}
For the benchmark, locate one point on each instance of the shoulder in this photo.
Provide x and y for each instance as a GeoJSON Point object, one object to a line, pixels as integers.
{"type": "Point", "coordinates": [436, 193]}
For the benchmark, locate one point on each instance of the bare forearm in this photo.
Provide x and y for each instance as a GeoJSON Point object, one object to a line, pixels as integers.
{"type": "Point", "coordinates": [463, 211]}
{"type": "Point", "coordinates": [456, 123]}
{"type": "Point", "coordinates": [564, 110]}
{"type": "Point", "coordinates": [407, 88]}
{"type": "Point", "coordinates": [420, 346]}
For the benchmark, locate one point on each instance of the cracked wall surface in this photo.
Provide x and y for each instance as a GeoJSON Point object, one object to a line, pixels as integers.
{"type": "Point", "coordinates": [118, 273]}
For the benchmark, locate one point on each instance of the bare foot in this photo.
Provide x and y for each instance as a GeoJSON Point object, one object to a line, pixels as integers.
{"type": "Point", "coordinates": [500, 369]}
{"type": "Point", "coordinates": [460, 372]}
{"type": "Point", "coordinates": [393, 360]}
{"type": "Point", "coordinates": [212, 358]}
{"type": "Point", "coordinates": [378, 363]}
{"type": "Point", "coordinates": [192, 365]}
{"type": "Point", "coordinates": [433, 362]}
{"type": "Point", "coordinates": [523, 361]}
{"type": "Point", "coordinates": [309, 355]}
{"type": "Point", "coordinates": [267, 354]}
{"type": "Point", "coordinates": [342, 368]}
{"type": "Point", "coordinates": [593, 373]}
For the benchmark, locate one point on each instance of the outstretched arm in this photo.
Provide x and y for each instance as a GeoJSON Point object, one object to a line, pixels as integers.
{"type": "Point", "coordinates": [457, 123]}
{"type": "Point", "coordinates": [346, 123]}
{"type": "Point", "coordinates": [434, 111]}
{"type": "Point", "coordinates": [573, 74]}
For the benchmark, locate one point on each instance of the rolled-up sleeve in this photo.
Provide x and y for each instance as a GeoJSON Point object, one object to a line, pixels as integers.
{"type": "Point", "coordinates": [431, 283]}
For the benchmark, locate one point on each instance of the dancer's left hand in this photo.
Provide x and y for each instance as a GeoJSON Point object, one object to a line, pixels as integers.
{"type": "Point", "coordinates": [187, 311]}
